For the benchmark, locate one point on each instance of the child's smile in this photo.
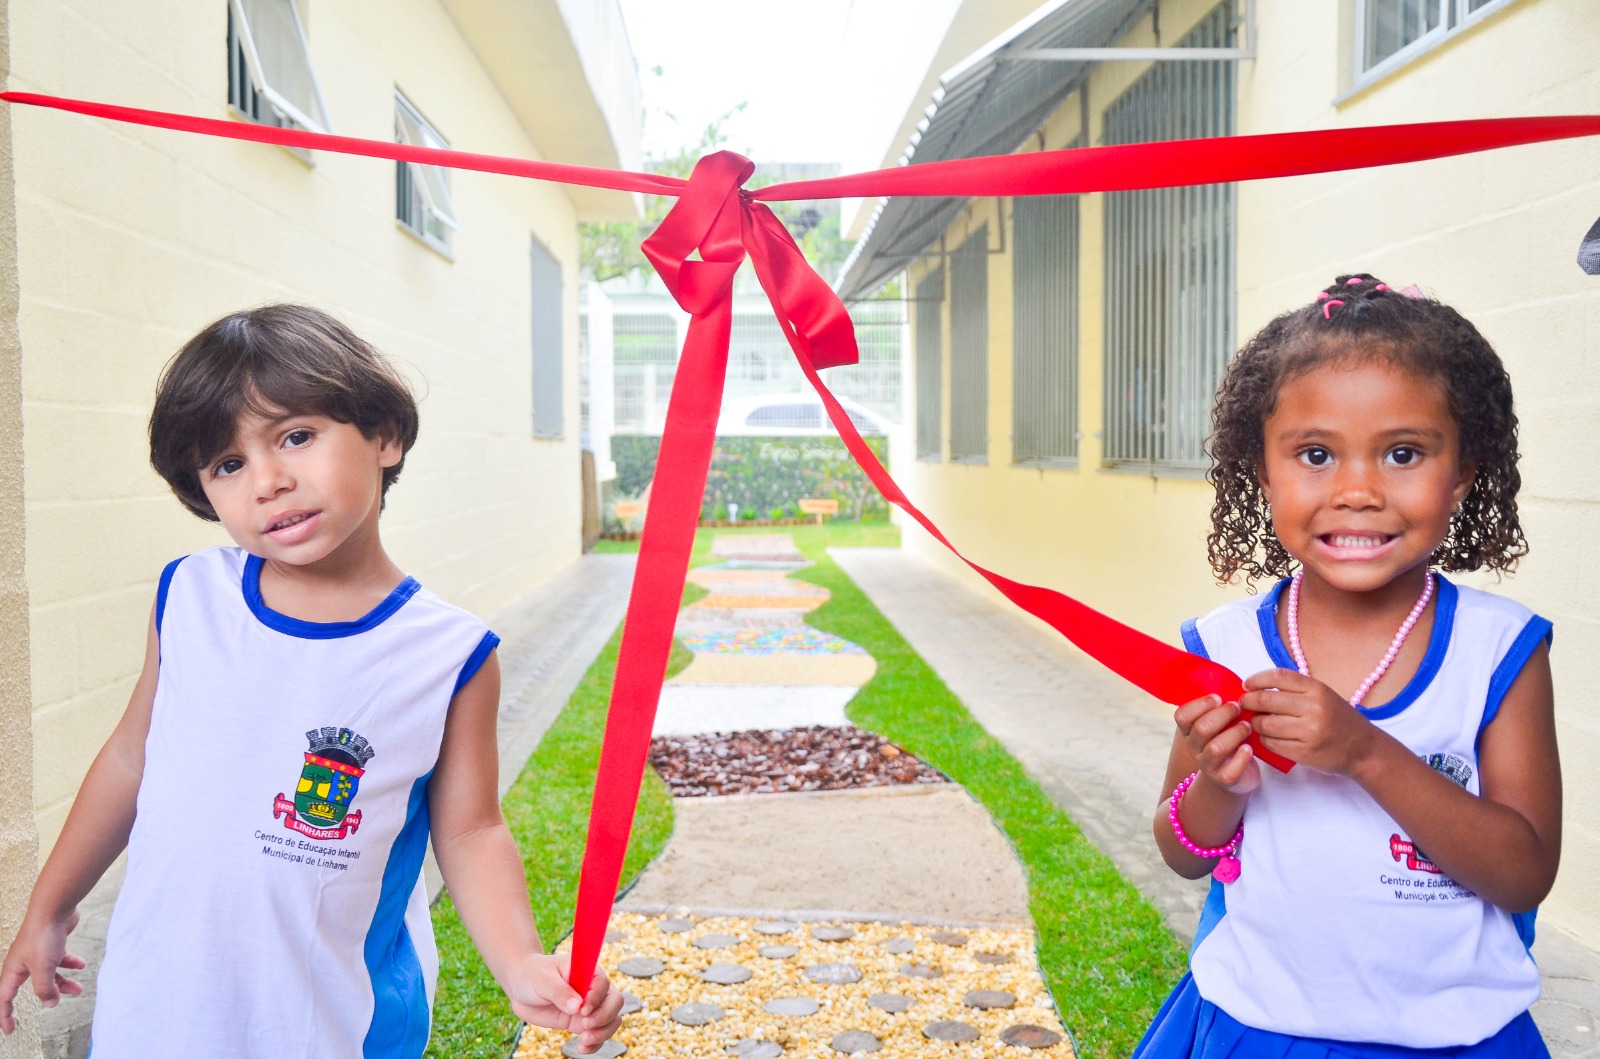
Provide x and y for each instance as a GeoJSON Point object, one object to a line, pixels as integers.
{"type": "Point", "coordinates": [1362, 466]}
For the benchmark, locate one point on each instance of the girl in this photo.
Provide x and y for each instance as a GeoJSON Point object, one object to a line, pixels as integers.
{"type": "Point", "coordinates": [1378, 899]}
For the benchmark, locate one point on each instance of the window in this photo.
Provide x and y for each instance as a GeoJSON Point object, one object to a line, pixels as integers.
{"type": "Point", "coordinates": [1389, 32]}
{"type": "Point", "coordinates": [422, 192]}
{"type": "Point", "coordinates": [1169, 268]}
{"type": "Point", "coordinates": [930, 365]}
{"type": "Point", "coordinates": [969, 349]}
{"type": "Point", "coordinates": [788, 416]}
{"type": "Point", "coordinates": [547, 301]}
{"type": "Point", "coordinates": [270, 77]}
{"type": "Point", "coordinates": [1045, 330]}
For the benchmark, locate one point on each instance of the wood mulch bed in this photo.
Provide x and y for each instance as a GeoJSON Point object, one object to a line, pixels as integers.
{"type": "Point", "coordinates": [818, 758]}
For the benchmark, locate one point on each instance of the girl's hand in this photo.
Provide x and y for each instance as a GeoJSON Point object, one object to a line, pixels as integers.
{"type": "Point", "coordinates": [541, 996]}
{"type": "Point", "coordinates": [39, 952]}
{"type": "Point", "coordinates": [1215, 738]}
{"type": "Point", "coordinates": [1306, 721]}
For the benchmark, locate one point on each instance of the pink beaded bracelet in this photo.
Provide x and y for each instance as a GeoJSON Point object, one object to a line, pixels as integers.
{"type": "Point", "coordinates": [1227, 868]}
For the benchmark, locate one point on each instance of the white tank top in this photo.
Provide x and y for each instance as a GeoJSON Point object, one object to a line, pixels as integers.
{"type": "Point", "coordinates": [1338, 926]}
{"type": "Point", "coordinates": [273, 905]}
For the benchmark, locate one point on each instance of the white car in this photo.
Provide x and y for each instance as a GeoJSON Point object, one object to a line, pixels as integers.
{"type": "Point", "coordinates": [792, 415]}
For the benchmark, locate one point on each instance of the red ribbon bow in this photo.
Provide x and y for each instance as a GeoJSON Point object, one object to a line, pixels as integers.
{"type": "Point", "coordinates": [716, 219]}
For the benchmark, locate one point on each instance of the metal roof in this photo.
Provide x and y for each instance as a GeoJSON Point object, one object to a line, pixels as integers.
{"type": "Point", "coordinates": [989, 103]}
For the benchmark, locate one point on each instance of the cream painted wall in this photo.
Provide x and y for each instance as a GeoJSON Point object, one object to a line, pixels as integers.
{"type": "Point", "coordinates": [130, 240]}
{"type": "Point", "coordinates": [1493, 234]}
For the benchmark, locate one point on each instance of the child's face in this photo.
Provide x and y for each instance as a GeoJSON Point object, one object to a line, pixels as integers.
{"type": "Point", "coordinates": [297, 488]}
{"type": "Point", "coordinates": [1362, 466]}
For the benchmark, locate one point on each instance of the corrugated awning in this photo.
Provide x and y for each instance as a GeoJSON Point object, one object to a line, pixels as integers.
{"type": "Point", "coordinates": [987, 104]}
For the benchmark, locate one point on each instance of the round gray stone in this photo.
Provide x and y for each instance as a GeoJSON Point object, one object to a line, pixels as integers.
{"type": "Point", "coordinates": [696, 1013]}
{"type": "Point", "coordinates": [853, 1042]}
{"type": "Point", "coordinates": [834, 973]}
{"type": "Point", "coordinates": [986, 999]}
{"type": "Point", "coordinates": [1029, 1036]}
{"type": "Point", "coordinates": [899, 946]}
{"type": "Point", "coordinates": [607, 1050]}
{"type": "Point", "coordinates": [614, 936]}
{"type": "Point", "coordinates": [778, 952]}
{"type": "Point", "coordinates": [773, 927]}
{"type": "Point", "coordinates": [755, 1048]}
{"type": "Point", "coordinates": [792, 1006]}
{"type": "Point", "coordinates": [715, 941]}
{"type": "Point", "coordinates": [920, 970]}
{"type": "Point", "coordinates": [630, 1003]}
{"type": "Point", "coordinates": [893, 1003]}
{"type": "Point", "coordinates": [641, 967]}
{"type": "Point", "coordinates": [675, 926]}
{"type": "Point", "coordinates": [948, 937]}
{"type": "Point", "coordinates": [992, 958]}
{"type": "Point", "coordinates": [950, 1031]}
{"type": "Point", "coordinates": [833, 933]}
{"type": "Point", "coordinates": [725, 974]}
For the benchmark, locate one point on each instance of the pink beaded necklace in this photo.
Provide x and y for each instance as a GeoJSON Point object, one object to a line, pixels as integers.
{"type": "Point", "coordinates": [1388, 656]}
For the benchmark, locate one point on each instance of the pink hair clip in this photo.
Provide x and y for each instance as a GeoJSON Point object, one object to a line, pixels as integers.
{"type": "Point", "coordinates": [1327, 308]}
{"type": "Point", "coordinates": [1323, 295]}
{"type": "Point", "coordinates": [1412, 291]}
{"type": "Point", "coordinates": [1353, 281]}
{"type": "Point", "coordinates": [1381, 286]}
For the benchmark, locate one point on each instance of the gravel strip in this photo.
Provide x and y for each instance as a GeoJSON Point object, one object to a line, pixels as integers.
{"type": "Point", "coordinates": [817, 758]}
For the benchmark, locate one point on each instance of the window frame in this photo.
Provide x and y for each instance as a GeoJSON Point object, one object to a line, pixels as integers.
{"type": "Point", "coordinates": [968, 268]}
{"type": "Point", "coordinates": [412, 188]}
{"type": "Point", "coordinates": [1454, 18]}
{"type": "Point", "coordinates": [1047, 233]}
{"type": "Point", "coordinates": [288, 114]}
{"type": "Point", "coordinates": [927, 352]}
{"type": "Point", "coordinates": [547, 344]}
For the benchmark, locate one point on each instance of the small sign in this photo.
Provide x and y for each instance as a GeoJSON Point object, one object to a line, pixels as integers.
{"type": "Point", "coordinates": [813, 505]}
{"type": "Point", "coordinates": [627, 509]}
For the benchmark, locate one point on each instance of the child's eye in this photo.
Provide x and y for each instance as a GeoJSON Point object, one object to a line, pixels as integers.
{"type": "Point", "coordinates": [1316, 456]}
{"type": "Point", "coordinates": [223, 468]}
{"type": "Point", "coordinates": [296, 438]}
{"type": "Point", "coordinates": [1404, 456]}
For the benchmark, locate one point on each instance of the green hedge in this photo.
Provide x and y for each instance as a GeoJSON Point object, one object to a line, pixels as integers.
{"type": "Point", "coordinates": [762, 475]}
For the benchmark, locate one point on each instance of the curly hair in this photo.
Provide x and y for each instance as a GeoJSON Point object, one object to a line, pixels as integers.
{"type": "Point", "coordinates": [1360, 316]}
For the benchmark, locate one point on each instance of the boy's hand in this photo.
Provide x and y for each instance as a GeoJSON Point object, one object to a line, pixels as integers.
{"type": "Point", "coordinates": [1215, 736]}
{"type": "Point", "coordinates": [541, 996]}
{"type": "Point", "coordinates": [39, 952]}
{"type": "Point", "coordinates": [1306, 721]}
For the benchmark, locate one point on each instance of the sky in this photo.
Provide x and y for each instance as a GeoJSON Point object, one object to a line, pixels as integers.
{"type": "Point", "coordinates": [821, 80]}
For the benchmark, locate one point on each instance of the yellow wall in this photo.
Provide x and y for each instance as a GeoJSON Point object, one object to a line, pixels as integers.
{"type": "Point", "coordinates": [130, 240]}
{"type": "Point", "coordinates": [1493, 234]}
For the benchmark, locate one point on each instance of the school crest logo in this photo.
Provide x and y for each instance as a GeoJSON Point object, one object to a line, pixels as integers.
{"type": "Point", "coordinates": [1457, 771]}
{"type": "Point", "coordinates": [329, 779]}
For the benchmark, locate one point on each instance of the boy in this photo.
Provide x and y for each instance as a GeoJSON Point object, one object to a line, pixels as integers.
{"type": "Point", "coordinates": [307, 716]}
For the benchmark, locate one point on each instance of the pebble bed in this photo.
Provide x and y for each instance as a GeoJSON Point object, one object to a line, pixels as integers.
{"type": "Point", "coordinates": [819, 990]}
{"type": "Point", "coordinates": [816, 758]}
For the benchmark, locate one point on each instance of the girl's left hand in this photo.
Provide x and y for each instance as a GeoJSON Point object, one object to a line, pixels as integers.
{"type": "Point", "coordinates": [1306, 721]}
{"type": "Point", "coordinates": [541, 997]}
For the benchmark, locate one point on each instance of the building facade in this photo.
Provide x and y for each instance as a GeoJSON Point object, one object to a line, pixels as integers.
{"type": "Point", "coordinates": [1064, 350]}
{"type": "Point", "coordinates": [120, 242]}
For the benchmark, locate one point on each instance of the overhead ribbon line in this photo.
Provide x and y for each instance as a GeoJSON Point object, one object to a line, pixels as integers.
{"type": "Point", "coordinates": [716, 218]}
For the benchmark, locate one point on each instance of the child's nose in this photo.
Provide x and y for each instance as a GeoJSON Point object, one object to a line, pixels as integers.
{"type": "Point", "coordinates": [1357, 485]}
{"type": "Point", "coordinates": [271, 478]}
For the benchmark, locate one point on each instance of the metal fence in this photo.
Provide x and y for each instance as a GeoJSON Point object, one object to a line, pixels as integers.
{"type": "Point", "coordinates": [969, 348]}
{"type": "Point", "coordinates": [1169, 310]}
{"type": "Point", "coordinates": [930, 365]}
{"type": "Point", "coordinates": [1045, 330]}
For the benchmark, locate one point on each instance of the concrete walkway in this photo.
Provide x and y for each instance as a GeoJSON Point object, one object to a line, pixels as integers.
{"type": "Point", "coordinates": [1099, 747]}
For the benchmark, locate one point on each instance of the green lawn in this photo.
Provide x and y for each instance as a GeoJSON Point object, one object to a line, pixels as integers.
{"type": "Point", "coordinates": [1102, 948]}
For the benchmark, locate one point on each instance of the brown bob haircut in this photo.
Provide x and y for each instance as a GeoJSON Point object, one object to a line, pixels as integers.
{"type": "Point", "coordinates": [267, 361]}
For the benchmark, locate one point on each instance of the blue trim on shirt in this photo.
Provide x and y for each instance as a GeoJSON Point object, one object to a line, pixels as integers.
{"type": "Point", "coordinates": [1537, 631]}
{"type": "Point", "coordinates": [162, 587]}
{"type": "Point", "coordinates": [1444, 618]}
{"type": "Point", "coordinates": [1211, 914]}
{"type": "Point", "coordinates": [319, 630]}
{"type": "Point", "coordinates": [475, 661]}
{"type": "Point", "coordinates": [400, 1012]}
{"type": "Point", "coordinates": [1192, 641]}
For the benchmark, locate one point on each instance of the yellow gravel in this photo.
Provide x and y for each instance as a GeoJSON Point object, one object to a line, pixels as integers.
{"type": "Point", "coordinates": [650, 1032]}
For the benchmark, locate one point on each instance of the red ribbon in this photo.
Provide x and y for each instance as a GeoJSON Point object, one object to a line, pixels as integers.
{"type": "Point", "coordinates": [717, 220]}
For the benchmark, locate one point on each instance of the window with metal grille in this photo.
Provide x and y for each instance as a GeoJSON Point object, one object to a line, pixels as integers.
{"type": "Point", "coordinates": [969, 349]}
{"type": "Point", "coordinates": [1169, 268]}
{"type": "Point", "coordinates": [547, 394]}
{"type": "Point", "coordinates": [1044, 376]}
{"type": "Point", "coordinates": [1390, 32]}
{"type": "Point", "coordinates": [930, 365]}
{"type": "Point", "coordinates": [422, 192]}
{"type": "Point", "coordinates": [270, 77]}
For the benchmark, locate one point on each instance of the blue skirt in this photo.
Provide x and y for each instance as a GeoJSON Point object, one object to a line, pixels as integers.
{"type": "Point", "coordinates": [1188, 1026]}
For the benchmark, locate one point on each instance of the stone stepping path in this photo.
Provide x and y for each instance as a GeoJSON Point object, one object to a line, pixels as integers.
{"type": "Point", "coordinates": [783, 1004]}
{"type": "Point", "coordinates": [815, 758]}
{"type": "Point", "coordinates": [687, 709]}
{"type": "Point", "coordinates": [765, 547]}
